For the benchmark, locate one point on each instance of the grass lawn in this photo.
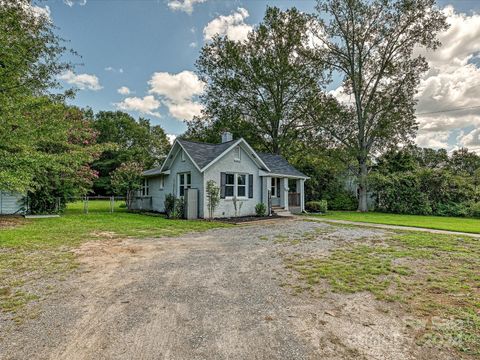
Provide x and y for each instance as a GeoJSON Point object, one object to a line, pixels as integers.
{"type": "Point", "coordinates": [430, 222]}
{"type": "Point", "coordinates": [435, 277]}
{"type": "Point", "coordinates": [32, 249]}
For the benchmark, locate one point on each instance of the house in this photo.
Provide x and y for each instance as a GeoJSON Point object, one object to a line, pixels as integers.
{"type": "Point", "coordinates": [244, 176]}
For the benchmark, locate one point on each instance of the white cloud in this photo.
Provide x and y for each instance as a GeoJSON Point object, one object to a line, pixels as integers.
{"type": "Point", "coordinates": [183, 5]}
{"type": "Point", "coordinates": [145, 105]}
{"type": "Point", "coordinates": [453, 82]}
{"type": "Point", "coordinates": [123, 90]}
{"type": "Point", "coordinates": [178, 92]}
{"type": "Point", "coordinates": [176, 87]}
{"type": "Point", "coordinates": [184, 110]}
{"type": "Point", "coordinates": [193, 44]}
{"type": "Point", "coordinates": [82, 81]}
{"type": "Point", "coordinates": [73, 2]}
{"type": "Point", "coordinates": [171, 138]}
{"type": "Point", "coordinates": [233, 26]}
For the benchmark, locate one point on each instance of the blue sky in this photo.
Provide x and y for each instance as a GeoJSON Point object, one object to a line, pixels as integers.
{"type": "Point", "coordinates": [124, 43]}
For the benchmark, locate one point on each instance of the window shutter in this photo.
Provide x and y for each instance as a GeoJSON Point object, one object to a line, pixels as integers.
{"type": "Point", "coordinates": [222, 185]}
{"type": "Point", "coordinates": [250, 186]}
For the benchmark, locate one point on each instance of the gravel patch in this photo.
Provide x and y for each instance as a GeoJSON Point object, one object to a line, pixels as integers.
{"type": "Point", "coordinates": [214, 295]}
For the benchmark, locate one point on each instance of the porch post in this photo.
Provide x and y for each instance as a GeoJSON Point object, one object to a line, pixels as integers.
{"type": "Point", "coordinates": [302, 194]}
{"type": "Point", "coordinates": [266, 181]}
{"type": "Point", "coordinates": [284, 193]}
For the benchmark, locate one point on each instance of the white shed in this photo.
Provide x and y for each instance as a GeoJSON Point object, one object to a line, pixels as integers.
{"type": "Point", "coordinates": [11, 203]}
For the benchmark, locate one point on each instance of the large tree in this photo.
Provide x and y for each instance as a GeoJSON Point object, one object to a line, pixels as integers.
{"type": "Point", "coordinates": [371, 44]}
{"type": "Point", "coordinates": [129, 141]}
{"type": "Point", "coordinates": [30, 60]}
{"type": "Point", "coordinates": [262, 86]}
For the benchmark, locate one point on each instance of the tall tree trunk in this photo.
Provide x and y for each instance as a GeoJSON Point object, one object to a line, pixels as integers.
{"type": "Point", "coordinates": [362, 185]}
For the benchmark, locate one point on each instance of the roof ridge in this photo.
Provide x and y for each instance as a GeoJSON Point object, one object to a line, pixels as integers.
{"type": "Point", "coordinates": [206, 143]}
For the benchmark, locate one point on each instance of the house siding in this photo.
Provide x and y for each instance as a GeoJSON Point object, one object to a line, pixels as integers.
{"type": "Point", "coordinates": [11, 203]}
{"type": "Point", "coordinates": [227, 164]}
{"type": "Point", "coordinates": [158, 194]}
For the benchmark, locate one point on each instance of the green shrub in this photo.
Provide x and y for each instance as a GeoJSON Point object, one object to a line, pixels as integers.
{"type": "Point", "coordinates": [343, 200]}
{"type": "Point", "coordinates": [261, 209]}
{"type": "Point", "coordinates": [317, 206]}
{"type": "Point", "coordinates": [174, 208]}
{"type": "Point", "coordinates": [475, 209]}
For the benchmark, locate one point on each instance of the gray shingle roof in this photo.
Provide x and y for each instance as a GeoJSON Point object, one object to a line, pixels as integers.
{"type": "Point", "coordinates": [278, 165]}
{"type": "Point", "coordinates": [204, 153]}
{"type": "Point", "coordinates": [154, 171]}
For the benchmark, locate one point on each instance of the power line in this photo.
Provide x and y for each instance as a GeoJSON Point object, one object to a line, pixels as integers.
{"type": "Point", "coordinates": [449, 110]}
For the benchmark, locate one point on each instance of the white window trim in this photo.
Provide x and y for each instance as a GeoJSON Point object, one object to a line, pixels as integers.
{"type": "Point", "coordinates": [274, 186]}
{"type": "Point", "coordinates": [145, 190]}
{"type": "Point", "coordinates": [162, 182]}
{"type": "Point", "coordinates": [186, 185]}
{"type": "Point", "coordinates": [235, 186]}
{"type": "Point", "coordinates": [182, 155]}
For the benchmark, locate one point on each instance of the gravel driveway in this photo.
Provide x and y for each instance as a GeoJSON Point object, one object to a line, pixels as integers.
{"type": "Point", "coordinates": [222, 294]}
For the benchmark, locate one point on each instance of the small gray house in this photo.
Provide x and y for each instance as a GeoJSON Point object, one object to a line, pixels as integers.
{"type": "Point", "coordinates": [244, 176]}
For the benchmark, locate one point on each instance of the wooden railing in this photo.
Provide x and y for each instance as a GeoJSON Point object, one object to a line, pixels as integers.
{"type": "Point", "coordinates": [293, 199]}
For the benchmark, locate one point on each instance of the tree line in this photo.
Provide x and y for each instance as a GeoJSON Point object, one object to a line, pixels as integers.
{"type": "Point", "coordinates": [270, 89]}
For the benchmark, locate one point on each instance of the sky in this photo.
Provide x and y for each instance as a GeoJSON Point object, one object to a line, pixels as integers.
{"type": "Point", "coordinates": [139, 56]}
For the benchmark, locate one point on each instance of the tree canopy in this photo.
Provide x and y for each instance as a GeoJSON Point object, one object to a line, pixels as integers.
{"type": "Point", "coordinates": [371, 45]}
{"type": "Point", "coordinates": [129, 141]}
{"type": "Point", "coordinates": [261, 87]}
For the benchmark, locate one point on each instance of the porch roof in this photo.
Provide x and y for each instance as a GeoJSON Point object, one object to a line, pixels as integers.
{"type": "Point", "coordinates": [279, 166]}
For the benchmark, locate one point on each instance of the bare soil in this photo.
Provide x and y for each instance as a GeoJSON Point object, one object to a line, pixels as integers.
{"type": "Point", "coordinates": [222, 294]}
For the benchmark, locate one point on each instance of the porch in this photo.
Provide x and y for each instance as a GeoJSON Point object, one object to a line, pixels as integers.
{"type": "Point", "coordinates": [283, 192]}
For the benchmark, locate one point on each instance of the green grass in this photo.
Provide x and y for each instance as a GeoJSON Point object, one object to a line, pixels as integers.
{"type": "Point", "coordinates": [37, 248]}
{"type": "Point", "coordinates": [430, 222]}
{"type": "Point", "coordinates": [432, 275]}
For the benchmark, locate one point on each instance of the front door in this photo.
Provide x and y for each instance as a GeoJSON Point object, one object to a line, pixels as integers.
{"type": "Point", "coordinates": [275, 191]}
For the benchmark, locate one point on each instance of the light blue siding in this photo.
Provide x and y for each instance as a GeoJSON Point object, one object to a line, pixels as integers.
{"type": "Point", "coordinates": [11, 203]}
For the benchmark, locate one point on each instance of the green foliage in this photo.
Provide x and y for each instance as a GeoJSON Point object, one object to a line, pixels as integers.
{"type": "Point", "coordinates": [442, 189]}
{"type": "Point", "coordinates": [31, 119]}
{"type": "Point", "coordinates": [129, 141]}
{"type": "Point", "coordinates": [262, 86]}
{"type": "Point", "coordinates": [317, 206]}
{"type": "Point", "coordinates": [213, 197]}
{"type": "Point", "coordinates": [126, 179]}
{"type": "Point", "coordinates": [67, 150]}
{"type": "Point", "coordinates": [174, 207]}
{"type": "Point", "coordinates": [260, 210]}
{"type": "Point", "coordinates": [342, 200]}
{"type": "Point", "coordinates": [371, 44]}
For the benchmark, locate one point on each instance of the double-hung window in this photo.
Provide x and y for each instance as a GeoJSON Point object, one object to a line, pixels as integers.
{"type": "Point", "coordinates": [275, 187]}
{"type": "Point", "coordinates": [145, 187]}
{"type": "Point", "coordinates": [229, 185]}
{"type": "Point", "coordinates": [241, 185]}
{"type": "Point", "coordinates": [184, 182]}
{"type": "Point", "coordinates": [235, 185]}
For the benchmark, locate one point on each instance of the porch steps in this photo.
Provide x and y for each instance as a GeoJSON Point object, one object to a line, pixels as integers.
{"type": "Point", "coordinates": [280, 211]}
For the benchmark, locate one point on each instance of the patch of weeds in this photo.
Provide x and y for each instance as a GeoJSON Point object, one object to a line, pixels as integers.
{"type": "Point", "coordinates": [434, 275]}
{"type": "Point", "coordinates": [263, 238]}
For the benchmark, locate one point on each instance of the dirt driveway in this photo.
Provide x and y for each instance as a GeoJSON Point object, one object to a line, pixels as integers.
{"type": "Point", "coordinates": [223, 294]}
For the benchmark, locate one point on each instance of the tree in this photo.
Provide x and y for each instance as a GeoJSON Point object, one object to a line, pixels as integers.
{"type": "Point", "coordinates": [66, 146]}
{"type": "Point", "coordinates": [371, 44]}
{"type": "Point", "coordinates": [30, 54]}
{"type": "Point", "coordinates": [131, 140]}
{"type": "Point", "coordinates": [213, 197]}
{"type": "Point", "coordinates": [265, 83]}
{"type": "Point", "coordinates": [127, 179]}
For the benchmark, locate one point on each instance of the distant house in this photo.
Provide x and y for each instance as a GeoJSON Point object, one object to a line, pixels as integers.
{"type": "Point", "coordinates": [244, 176]}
